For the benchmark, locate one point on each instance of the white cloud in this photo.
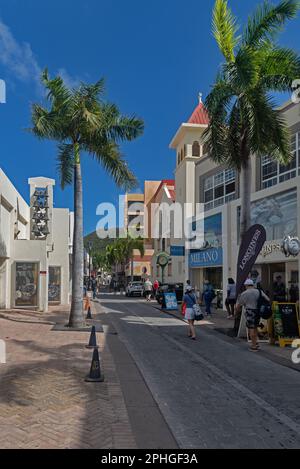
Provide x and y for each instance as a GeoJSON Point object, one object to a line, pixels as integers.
{"type": "Point", "coordinates": [71, 82]}
{"type": "Point", "coordinates": [20, 62]}
{"type": "Point", "coordinates": [18, 58]}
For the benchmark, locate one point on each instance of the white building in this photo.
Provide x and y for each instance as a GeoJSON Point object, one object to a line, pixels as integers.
{"type": "Point", "coordinates": [35, 247]}
{"type": "Point", "coordinates": [275, 205]}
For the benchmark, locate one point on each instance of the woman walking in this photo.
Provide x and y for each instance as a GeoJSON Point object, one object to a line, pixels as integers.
{"type": "Point", "coordinates": [148, 287]}
{"type": "Point", "coordinates": [189, 301]}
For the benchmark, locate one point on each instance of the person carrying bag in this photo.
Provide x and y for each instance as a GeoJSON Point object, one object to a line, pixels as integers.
{"type": "Point", "coordinates": [192, 311]}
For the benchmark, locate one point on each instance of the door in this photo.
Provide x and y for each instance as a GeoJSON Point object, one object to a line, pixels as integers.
{"type": "Point", "coordinates": [54, 285]}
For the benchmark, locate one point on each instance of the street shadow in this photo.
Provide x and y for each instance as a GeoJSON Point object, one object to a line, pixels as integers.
{"type": "Point", "coordinates": [27, 393]}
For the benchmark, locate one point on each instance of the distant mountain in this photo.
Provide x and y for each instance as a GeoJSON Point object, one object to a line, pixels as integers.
{"type": "Point", "coordinates": [99, 244]}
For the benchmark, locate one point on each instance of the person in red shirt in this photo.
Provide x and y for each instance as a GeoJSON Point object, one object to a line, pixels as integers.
{"type": "Point", "coordinates": [155, 287]}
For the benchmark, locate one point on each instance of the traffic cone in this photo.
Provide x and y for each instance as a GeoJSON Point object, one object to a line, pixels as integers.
{"type": "Point", "coordinates": [95, 375]}
{"type": "Point", "coordinates": [93, 339]}
{"type": "Point", "coordinates": [89, 314]}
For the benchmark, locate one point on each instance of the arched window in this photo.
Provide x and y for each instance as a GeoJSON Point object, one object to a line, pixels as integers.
{"type": "Point", "coordinates": [196, 149]}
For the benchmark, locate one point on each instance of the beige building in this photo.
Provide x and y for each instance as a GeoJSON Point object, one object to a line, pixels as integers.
{"type": "Point", "coordinates": [35, 247]}
{"type": "Point", "coordinates": [137, 217]}
{"type": "Point", "coordinates": [275, 205]}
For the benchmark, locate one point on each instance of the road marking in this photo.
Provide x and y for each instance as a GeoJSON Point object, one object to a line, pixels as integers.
{"type": "Point", "coordinates": [265, 406]}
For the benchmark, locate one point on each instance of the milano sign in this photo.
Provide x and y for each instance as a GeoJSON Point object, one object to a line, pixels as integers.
{"type": "Point", "coordinates": [252, 244]}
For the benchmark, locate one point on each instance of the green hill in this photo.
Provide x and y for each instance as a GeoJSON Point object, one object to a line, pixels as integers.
{"type": "Point", "coordinates": [98, 244]}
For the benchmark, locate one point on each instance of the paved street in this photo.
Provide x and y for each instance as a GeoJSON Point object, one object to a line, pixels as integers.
{"type": "Point", "coordinates": [213, 393]}
{"type": "Point", "coordinates": [44, 400]}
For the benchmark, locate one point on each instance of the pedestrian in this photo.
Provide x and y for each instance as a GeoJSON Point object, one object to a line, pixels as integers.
{"type": "Point", "coordinates": [208, 296]}
{"type": "Point", "coordinates": [189, 300]}
{"type": "Point", "coordinates": [148, 287]}
{"type": "Point", "coordinates": [279, 291]}
{"type": "Point", "coordinates": [294, 293]}
{"type": "Point", "coordinates": [249, 301]}
{"type": "Point", "coordinates": [155, 287]}
{"type": "Point", "coordinates": [94, 287]}
{"type": "Point", "coordinates": [231, 298]}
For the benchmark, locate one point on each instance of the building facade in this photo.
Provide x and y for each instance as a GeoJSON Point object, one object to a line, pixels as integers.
{"type": "Point", "coordinates": [35, 247]}
{"type": "Point", "coordinates": [215, 194]}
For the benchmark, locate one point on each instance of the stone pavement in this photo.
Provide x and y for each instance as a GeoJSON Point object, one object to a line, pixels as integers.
{"type": "Point", "coordinates": [44, 400]}
{"type": "Point", "coordinates": [219, 323]}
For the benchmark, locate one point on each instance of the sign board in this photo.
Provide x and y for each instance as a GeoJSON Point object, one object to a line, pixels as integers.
{"type": "Point", "coordinates": [286, 320]}
{"type": "Point", "coordinates": [251, 246]}
{"type": "Point", "coordinates": [206, 258]}
{"type": "Point", "coordinates": [177, 251]}
{"type": "Point", "coordinates": [170, 302]}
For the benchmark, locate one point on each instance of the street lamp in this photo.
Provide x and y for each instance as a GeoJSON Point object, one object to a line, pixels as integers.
{"type": "Point", "coordinates": [90, 250]}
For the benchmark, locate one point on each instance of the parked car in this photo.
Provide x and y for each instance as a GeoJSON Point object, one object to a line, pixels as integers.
{"type": "Point", "coordinates": [134, 289]}
{"type": "Point", "coordinates": [169, 288]}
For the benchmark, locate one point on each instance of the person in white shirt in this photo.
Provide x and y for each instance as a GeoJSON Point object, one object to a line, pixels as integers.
{"type": "Point", "coordinates": [231, 298]}
{"type": "Point", "coordinates": [249, 300]}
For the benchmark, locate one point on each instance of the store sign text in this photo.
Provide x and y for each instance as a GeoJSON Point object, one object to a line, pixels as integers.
{"type": "Point", "coordinates": [270, 248]}
{"type": "Point", "coordinates": [208, 258]}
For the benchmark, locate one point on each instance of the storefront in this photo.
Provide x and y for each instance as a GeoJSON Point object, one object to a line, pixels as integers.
{"type": "Point", "coordinates": [279, 215]}
{"type": "Point", "coordinates": [207, 263]}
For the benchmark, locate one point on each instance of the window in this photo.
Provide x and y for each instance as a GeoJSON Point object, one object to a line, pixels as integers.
{"type": "Point", "coordinates": [273, 173]}
{"type": "Point", "coordinates": [196, 149]}
{"type": "Point", "coordinates": [219, 189]}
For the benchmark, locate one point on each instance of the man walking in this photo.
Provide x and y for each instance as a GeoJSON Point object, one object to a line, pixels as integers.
{"type": "Point", "coordinates": [208, 296]}
{"type": "Point", "coordinates": [249, 300]}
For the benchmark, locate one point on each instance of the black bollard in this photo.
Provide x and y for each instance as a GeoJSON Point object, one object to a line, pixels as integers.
{"type": "Point", "coordinates": [89, 314]}
{"type": "Point", "coordinates": [95, 375]}
{"type": "Point", "coordinates": [93, 339]}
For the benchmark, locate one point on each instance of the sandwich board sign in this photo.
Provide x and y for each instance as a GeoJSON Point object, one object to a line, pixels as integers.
{"type": "Point", "coordinates": [170, 302]}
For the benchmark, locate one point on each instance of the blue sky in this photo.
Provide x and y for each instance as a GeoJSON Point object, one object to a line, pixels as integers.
{"type": "Point", "coordinates": [156, 55]}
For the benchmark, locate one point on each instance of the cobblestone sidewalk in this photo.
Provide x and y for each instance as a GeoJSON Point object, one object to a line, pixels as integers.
{"type": "Point", "coordinates": [44, 400]}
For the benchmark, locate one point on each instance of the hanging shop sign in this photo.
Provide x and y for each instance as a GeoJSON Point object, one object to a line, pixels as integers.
{"type": "Point", "coordinates": [177, 251]}
{"type": "Point", "coordinates": [251, 246]}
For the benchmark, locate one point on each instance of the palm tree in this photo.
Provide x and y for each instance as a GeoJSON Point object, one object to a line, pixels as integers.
{"type": "Point", "coordinates": [243, 116]}
{"type": "Point", "coordinates": [80, 121]}
{"type": "Point", "coordinates": [131, 245]}
{"type": "Point", "coordinates": [122, 251]}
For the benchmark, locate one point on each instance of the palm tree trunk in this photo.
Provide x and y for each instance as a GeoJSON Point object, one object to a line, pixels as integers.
{"type": "Point", "coordinates": [76, 315]}
{"type": "Point", "coordinates": [246, 179]}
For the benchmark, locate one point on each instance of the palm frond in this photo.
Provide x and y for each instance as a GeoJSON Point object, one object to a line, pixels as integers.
{"type": "Point", "coordinates": [119, 127]}
{"type": "Point", "coordinates": [225, 29]}
{"type": "Point", "coordinates": [268, 131]}
{"type": "Point", "coordinates": [279, 68]}
{"type": "Point", "coordinates": [65, 164]}
{"type": "Point", "coordinates": [58, 94]}
{"type": "Point", "coordinates": [218, 104]}
{"type": "Point", "coordinates": [108, 154]}
{"type": "Point", "coordinates": [268, 20]}
{"type": "Point", "coordinates": [46, 124]}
